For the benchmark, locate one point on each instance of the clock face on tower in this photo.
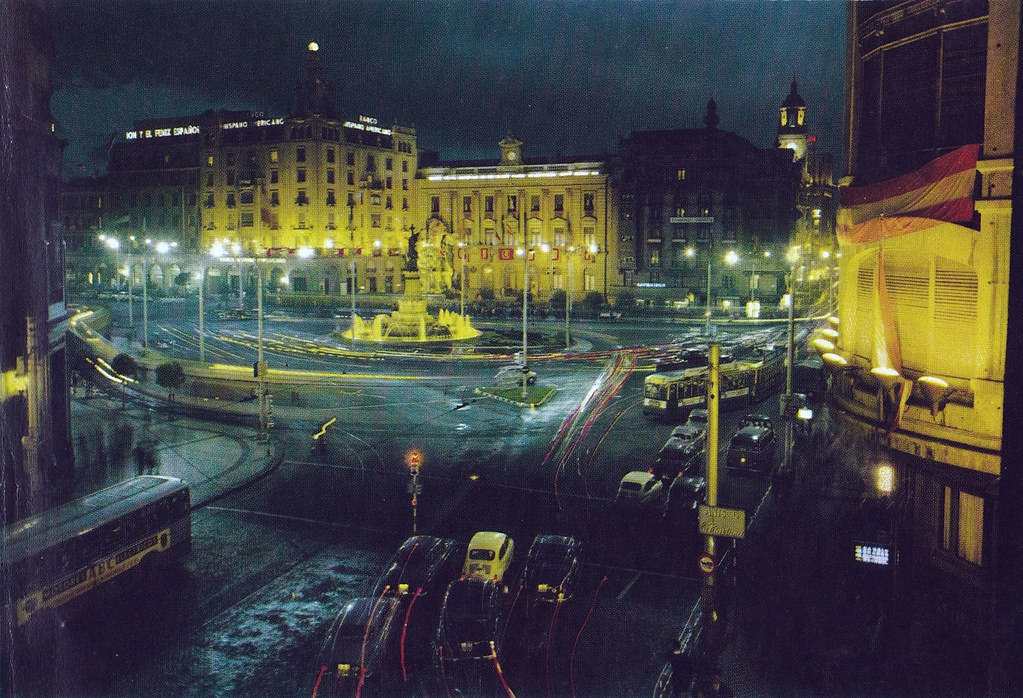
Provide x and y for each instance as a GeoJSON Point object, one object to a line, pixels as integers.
{"type": "Point", "coordinates": [511, 154]}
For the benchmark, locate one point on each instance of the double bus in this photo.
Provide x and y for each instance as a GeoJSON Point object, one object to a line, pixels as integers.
{"type": "Point", "coordinates": [673, 394]}
{"type": "Point", "coordinates": [64, 553]}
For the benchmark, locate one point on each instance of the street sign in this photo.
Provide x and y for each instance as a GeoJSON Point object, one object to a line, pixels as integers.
{"type": "Point", "coordinates": [719, 521]}
{"type": "Point", "coordinates": [708, 564]}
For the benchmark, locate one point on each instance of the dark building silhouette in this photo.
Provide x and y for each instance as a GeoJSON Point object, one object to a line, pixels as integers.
{"type": "Point", "coordinates": [691, 195]}
{"type": "Point", "coordinates": [34, 400]}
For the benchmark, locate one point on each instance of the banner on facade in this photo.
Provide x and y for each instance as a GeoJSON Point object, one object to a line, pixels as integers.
{"type": "Point", "coordinates": [940, 191]}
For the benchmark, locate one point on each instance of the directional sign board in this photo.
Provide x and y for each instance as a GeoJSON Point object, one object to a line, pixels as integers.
{"type": "Point", "coordinates": [719, 521]}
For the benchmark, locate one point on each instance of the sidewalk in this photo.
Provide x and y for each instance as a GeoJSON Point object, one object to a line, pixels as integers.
{"type": "Point", "coordinates": [804, 619]}
{"type": "Point", "coordinates": [214, 458]}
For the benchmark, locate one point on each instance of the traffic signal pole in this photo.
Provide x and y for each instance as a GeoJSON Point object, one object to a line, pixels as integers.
{"type": "Point", "coordinates": [712, 623]}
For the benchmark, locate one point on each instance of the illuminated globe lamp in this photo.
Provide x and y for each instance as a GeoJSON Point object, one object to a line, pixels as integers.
{"type": "Point", "coordinates": [888, 378]}
{"type": "Point", "coordinates": [833, 320]}
{"type": "Point", "coordinates": [830, 334]}
{"type": "Point", "coordinates": [823, 346]}
{"type": "Point", "coordinates": [935, 391]}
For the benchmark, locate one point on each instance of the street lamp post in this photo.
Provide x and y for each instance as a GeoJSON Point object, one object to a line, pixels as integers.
{"type": "Point", "coordinates": [525, 312]}
{"type": "Point", "coordinates": [145, 298]}
{"type": "Point", "coordinates": [131, 284]}
{"type": "Point", "coordinates": [463, 250]}
{"type": "Point", "coordinates": [568, 298]}
{"type": "Point", "coordinates": [351, 270]}
{"type": "Point", "coordinates": [710, 254]}
{"type": "Point", "coordinates": [202, 314]}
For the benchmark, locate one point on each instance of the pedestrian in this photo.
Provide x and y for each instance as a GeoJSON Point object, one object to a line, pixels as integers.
{"type": "Point", "coordinates": [681, 669]}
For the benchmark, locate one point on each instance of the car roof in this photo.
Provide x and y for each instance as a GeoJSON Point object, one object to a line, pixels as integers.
{"type": "Point", "coordinates": [758, 417]}
{"type": "Point", "coordinates": [687, 430]}
{"type": "Point", "coordinates": [751, 433]}
{"type": "Point", "coordinates": [638, 476]}
{"type": "Point", "coordinates": [674, 443]}
{"type": "Point", "coordinates": [488, 539]}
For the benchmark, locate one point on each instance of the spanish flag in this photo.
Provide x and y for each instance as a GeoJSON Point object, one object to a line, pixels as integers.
{"type": "Point", "coordinates": [941, 190]}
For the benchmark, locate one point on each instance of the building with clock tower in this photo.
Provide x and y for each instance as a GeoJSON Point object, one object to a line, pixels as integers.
{"type": "Point", "coordinates": [792, 129]}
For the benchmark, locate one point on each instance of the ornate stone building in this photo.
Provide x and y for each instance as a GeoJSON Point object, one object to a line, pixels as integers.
{"type": "Point", "coordinates": [478, 217]}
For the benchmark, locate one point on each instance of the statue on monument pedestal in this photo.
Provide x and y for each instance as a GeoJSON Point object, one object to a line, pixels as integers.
{"type": "Point", "coordinates": [412, 257]}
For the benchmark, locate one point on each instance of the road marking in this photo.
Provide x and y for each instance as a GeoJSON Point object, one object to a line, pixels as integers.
{"type": "Point", "coordinates": [629, 586]}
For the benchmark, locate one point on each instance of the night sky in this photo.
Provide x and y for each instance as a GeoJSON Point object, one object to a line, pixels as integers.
{"type": "Point", "coordinates": [567, 77]}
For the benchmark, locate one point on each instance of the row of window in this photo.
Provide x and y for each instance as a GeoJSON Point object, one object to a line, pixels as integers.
{"type": "Point", "coordinates": [300, 156]}
{"type": "Point", "coordinates": [300, 177]}
{"type": "Point", "coordinates": [246, 197]}
{"type": "Point", "coordinates": [145, 200]}
{"type": "Point", "coordinates": [513, 202]}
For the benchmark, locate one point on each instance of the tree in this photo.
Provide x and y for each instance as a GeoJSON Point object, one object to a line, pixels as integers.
{"type": "Point", "coordinates": [170, 375]}
{"type": "Point", "coordinates": [625, 303]}
{"type": "Point", "coordinates": [593, 302]}
{"type": "Point", "coordinates": [124, 365]}
{"type": "Point", "coordinates": [557, 301]}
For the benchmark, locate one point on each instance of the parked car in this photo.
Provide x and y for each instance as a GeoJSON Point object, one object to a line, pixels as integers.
{"type": "Point", "coordinates": [357, 651]}
{"type": "Point", "coordinates": [513, 375]}
{"type": "Point", "coordinates": [757, 420]}
{"type": "Point", "coordinates": [689, 432]}
{"type": "Point", "coordinates": [752, 449]}
{"type": "Point", "coordinates": [685, 495]}
{"type": "Point", "coordinates": [423, 563]}
{"type": "Point", "coordinates": [639, 489]}
{"type": "Point", "coordinates": [469, 636]}
{"type": "Point", "coordinates": [489, 556]}
{"type": "Point", "coordinates": [678, 455]}
{"type": "Point", "coordinates": [417, 576]}
{"type": "Point", "coordinates": [552, 568]}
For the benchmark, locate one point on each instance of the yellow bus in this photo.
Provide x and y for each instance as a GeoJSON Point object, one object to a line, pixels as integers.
{"type": "Point", "coordinates": [673, 394]}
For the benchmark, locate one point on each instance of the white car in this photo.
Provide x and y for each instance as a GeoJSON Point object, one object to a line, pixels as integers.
{"type": "Point", "coordinates": [639, 489]}
{"type": "Point", "coordinates": [513, 375]}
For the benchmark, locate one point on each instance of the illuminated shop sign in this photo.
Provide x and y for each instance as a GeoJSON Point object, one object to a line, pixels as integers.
{"type": "Point", "coordinates": [871, 554]}
{"type": "Point", "coordinates": [258, 122]}
{"type": "Point", "coordinates": [160, 132]}
{"type": "Point", "coordinates": [650, 284]}
{"type": "Point", "coordinates": [367, 123]}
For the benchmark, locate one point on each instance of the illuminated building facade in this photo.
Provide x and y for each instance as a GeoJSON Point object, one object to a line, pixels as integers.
{"type": "Point", "coordinates": [479, 217]}
{"type": "Point", "coordinates": [923, 313]}
{"type": "Point", "coordinates": [688, 197]}
{"type": "Point", "coordinates": [313, 188]}
{"type": "Point", "coordinates": [35, 440]}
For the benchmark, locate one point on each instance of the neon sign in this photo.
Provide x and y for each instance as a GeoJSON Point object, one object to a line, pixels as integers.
{"type": "Point", "coordinates": [143, 133]}
{"type": "Point", "coordinates": [367, 123]}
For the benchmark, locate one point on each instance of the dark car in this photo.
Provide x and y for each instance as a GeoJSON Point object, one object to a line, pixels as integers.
{"type": "Point", "coordinates": [469, 635]}
{"type": "Point", "coordinates": [752, 449]}
{"type": "Point", "coordinates": [552, 568]}
{"type": "Point", "coordinates": [356, 656]}
{"type": "Point", "coordinates": [757, 420]}
{"type": "Point", "coordinates": [417, 576]}
{"type": "Point", "coordinates": [422, 565]}
{"type": "Point", "coordinates": [679, 455]}
{"type": "Point", "coordinates": [689, 432]}
{"type": "Point", "coordinates": [685, 495]}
